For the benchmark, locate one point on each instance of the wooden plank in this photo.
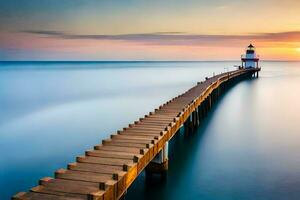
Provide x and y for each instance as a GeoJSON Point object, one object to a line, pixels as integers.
{"type": "Point", "coordinates": [141, 133]}
{"type": "Point", "coordinates": [167, 112]}
{"type": "Point", "coordinates": [118, 149]}
{"type": "Point", "coordinates": [159, 116]}
{"type": "Point", "coordinates": [104, 161]}
{"type": "Point", "coordinates": [116, 174]}
{"type": "Point", "coordinates": [61, 186]}
{"type": "Point", "coordinates": [154, 121]}
{"type": "Point", "coordinates": [39, 196]}
{"type": "Point", "coordinates": [44, 190]}
{"type": "Point", "coordinates": [140, 137]}
{"type": "Point", "coordinates": [134, 141]}
{"type": "Point", "coordinates": [171, 108]}
{"type": "Point", "coordinates": [111, 154]}
{"type": "Point", "coordinates": [127, 144]}
{"type": "Point", "coordinates": [177, 104]}
{"type": "Point", "coordinates": [148, 125]}
{"type": "Point", "coordinates": [82, 176]}
{"type": "Point", "coordinates": [94, 167]}
{"type": "Point", "coordinates": [162, 114]}
{"type": "Point", "coordinates": [145, 128]}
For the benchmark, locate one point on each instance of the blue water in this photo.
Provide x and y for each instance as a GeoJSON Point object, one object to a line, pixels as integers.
{"type": "Point", "coordinates": [248, 148]}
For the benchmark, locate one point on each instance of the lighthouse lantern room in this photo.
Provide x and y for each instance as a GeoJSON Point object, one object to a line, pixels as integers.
{"type": "Point", "coordinates": [250, 60]}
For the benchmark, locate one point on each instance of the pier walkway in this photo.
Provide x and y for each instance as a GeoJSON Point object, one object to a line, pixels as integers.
{"type": "Point", "coordinates": [107, 170]}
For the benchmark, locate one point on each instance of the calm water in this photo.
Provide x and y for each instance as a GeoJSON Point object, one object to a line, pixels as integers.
{"type": "Point", "coordinates": [248, 149]}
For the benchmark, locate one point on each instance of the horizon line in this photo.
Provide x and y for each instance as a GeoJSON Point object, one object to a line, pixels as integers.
{"type": "Point", "coordinates": [142, 61]}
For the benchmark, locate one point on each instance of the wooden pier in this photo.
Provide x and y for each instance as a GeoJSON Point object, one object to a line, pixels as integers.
{"type": "Point", "coordinates": [107, 170]}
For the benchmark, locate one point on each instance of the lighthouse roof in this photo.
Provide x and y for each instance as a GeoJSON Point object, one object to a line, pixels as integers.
{"type": "Point", "coordinates": [251, 46]}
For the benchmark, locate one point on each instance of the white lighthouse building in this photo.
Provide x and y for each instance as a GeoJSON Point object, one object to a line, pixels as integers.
{"type": "Point", "coordinates": [250, 60]}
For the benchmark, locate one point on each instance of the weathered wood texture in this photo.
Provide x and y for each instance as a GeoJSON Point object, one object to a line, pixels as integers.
{"type": "Point", "coordinates": [106, 171]}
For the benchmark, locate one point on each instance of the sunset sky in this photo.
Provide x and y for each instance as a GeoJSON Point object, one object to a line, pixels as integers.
{"type": "Point", "coordinates": [148, 29]}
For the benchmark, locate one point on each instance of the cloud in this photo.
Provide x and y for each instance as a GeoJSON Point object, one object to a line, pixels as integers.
{"type": "Point", "coordinates": [43, 32]}
{"type": "Point", "coordinates": [177, 38]}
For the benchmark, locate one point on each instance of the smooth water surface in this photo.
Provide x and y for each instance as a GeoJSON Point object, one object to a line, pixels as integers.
{"type": "Point", "coordinates": [247, 149]}
{"type": "Point", "coordinates": [52, 112]}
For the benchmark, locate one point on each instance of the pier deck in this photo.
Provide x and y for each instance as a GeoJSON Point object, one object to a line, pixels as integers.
{"type": "Point", "coordinates": [107, 170]}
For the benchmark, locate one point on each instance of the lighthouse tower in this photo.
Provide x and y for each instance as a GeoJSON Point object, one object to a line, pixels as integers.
{"type": "Point", "coordinates": [250, 60]}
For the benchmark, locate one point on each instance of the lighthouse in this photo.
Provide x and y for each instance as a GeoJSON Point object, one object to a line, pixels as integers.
{"type": "Point", "coordinates": [250, 60]}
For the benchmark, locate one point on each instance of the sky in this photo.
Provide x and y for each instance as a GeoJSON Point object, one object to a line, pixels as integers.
{"type": "Point", "coordinates": [148, 30]}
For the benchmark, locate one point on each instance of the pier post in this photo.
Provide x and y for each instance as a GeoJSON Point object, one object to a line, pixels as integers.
{"type": "Point", "coordinates": [187, 125]}
{"type": "Point", "coordinates": [206, 106]}
{"type": "Point", "coordinates": [214, 97]}
{"type": "Point", "coordinates": [209, 102]}
{"type": "Point", "coordinates": [200, 113]}
{"type": "Point", "coordinates": [194, 119]}
{"type": "Point", "coordinates": [204, 112]}
{"type": "Point", "coordinates": [197, 116]}
{"type": "Point", "coordinates": [159, 164]}
{"type": "Point", "coordinates": [192, 116]}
